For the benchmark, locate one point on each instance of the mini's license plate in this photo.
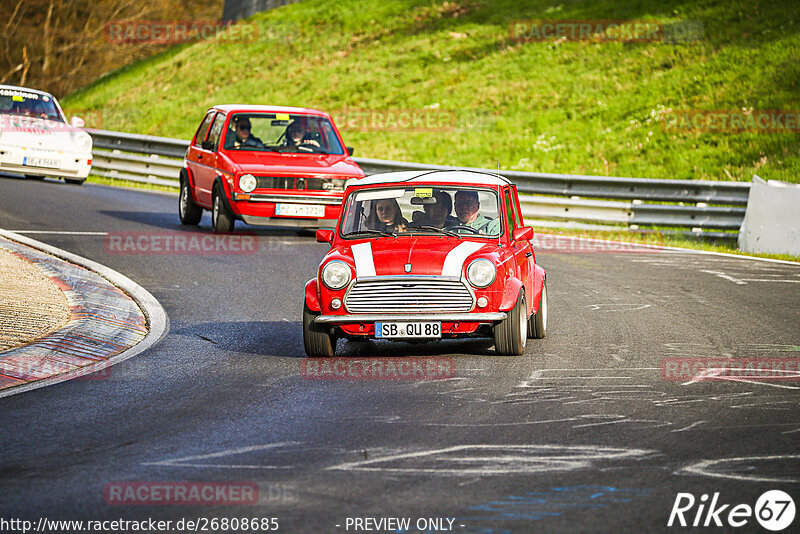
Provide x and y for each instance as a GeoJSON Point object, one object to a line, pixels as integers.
{"type": "Point", "coordinates": [299, 210]}
{"type": "Point", "coordinates": [41, 162]}
{"type": "Point", "coordinates": [412, 330]}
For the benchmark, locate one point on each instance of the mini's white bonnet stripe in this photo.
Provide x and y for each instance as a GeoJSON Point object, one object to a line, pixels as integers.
{"type": "Point", "coordinates": [456, 257]}
{"type": "Point", "coordinates": [362, 255]}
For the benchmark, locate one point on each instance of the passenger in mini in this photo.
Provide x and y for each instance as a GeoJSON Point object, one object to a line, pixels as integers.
{"type": "Point", "coordinates": [241, 127]}
{"type": "Point", "coordinates": [386, 216]}
{"type": "Point", "coordinates": [438, 213]}
{"type": "Point", "coordinates": [467, 211]}
{"type": "Point", "coordinates": [297, 134]}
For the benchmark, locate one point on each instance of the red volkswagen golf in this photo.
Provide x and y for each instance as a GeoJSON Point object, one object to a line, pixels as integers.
{"type": "Point", "coordinates": [265, 165]}
{"type": "Point", "coordinates": [424, 256]}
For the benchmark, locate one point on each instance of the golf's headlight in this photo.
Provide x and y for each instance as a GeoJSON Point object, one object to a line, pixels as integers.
{"type": "Point", "coordinates": [247, 182]}
{"type": "Point", "coordinates": [336, 274]}
{"type": "Point", "coordinates": [83, 141]}
{"type": "Point", "coordinates": [481, 273]}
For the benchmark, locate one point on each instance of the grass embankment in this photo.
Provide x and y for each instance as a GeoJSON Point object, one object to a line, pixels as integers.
{"type": "Point", "coordinates": [557, 106]}
{"type": "Point", "coordinates": [567, 107]}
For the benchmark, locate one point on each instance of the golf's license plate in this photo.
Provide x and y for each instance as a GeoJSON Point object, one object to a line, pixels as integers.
{"type": "Point", "coordinates": [32, 161]}
{"type": "Point", "coordinates": [299, 210]}
{"type": "Point", "coordinates": [401, 330]}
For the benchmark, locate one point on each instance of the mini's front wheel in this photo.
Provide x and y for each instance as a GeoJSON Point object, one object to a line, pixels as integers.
{"type": "Point", "coordinates": [317, 339]}
{"type": "Point", "coordinates": [537, 324]}
{"type": "Point", "coordinates": [511, 334]}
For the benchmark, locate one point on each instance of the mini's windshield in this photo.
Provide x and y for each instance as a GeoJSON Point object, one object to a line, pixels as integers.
{"type": "Point", "coordinates": [27, 104]}
{"type": "Point", "coordinates": [281, 132]}
{"type": "Point", "coordinates": [415, 210]}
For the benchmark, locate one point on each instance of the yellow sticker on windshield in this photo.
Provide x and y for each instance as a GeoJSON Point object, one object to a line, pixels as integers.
{"type": "Point", "coordinates": [282, 116]}
{"type": "Point", "coordinates": [423, 192]}
{"type": "Point", "coordinates": [16, 98]}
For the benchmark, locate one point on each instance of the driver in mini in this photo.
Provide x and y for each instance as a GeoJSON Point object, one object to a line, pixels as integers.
{"type": "Point", "coordinates": [467, 208]}
{"type": "Point", "coordinates": [438, 213]}
{"type": "Point", "coordinates": [241, 127]}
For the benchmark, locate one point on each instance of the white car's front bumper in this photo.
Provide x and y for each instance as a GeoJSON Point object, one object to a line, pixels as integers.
{"type": "Point", "coordinates": [45, 162]}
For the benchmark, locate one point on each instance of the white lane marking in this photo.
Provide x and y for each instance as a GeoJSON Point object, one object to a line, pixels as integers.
{"type": "Point", "coordinates": [183, 462]}
{"type": "Point", "coordinates": [703, 468]}
{"type": "Point", "coordinates": [612, 307]}
{"type": "Point", "coordinates": [56, 232]}
{"type": "Point", "coordinates": [481, 460]}
{"type": "Point", "coordinates": [724, 276]}
{"type": "Point", "coordinates": [768, 280]}
{"type": "Point", "coordinates": [454, 260]}
{"type": "Point", "coordinates": [362, 255]}
{"type": "Point", "coordinates": [690, 426]}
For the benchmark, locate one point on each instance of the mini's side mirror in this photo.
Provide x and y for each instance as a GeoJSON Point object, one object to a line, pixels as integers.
{"type": "Point", "coordinates": [207, 145]}
{"type": "Point", "coordinates": [77, 122]}
{"type": "Point", "coordinates": [523, 234]}
{"type": "Point", "coordinates": [350, 150]}
{"type": "Point", "coordinates": [324, 235]}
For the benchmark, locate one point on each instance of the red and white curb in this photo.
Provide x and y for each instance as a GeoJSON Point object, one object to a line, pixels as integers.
{"type": "Point", "coordinates": [111, 319]}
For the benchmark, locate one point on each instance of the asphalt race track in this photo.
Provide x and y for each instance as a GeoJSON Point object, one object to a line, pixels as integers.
{"type": "Point", "coordinates": [582, 433]}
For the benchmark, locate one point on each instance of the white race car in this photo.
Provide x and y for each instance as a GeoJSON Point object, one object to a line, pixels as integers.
{"type": "Point", "coordinates": [36, 140]}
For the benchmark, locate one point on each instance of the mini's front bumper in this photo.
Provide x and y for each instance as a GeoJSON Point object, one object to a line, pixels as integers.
{"type": "Point", "coordinates": [442, 317]}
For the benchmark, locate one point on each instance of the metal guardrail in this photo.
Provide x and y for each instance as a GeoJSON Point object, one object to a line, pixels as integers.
{"type": "Point", "coordinates": [149, 159]}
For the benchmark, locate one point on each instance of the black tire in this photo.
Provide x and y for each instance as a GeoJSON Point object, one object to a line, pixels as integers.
{"type": "Point", "coordinates": [189, 212]}
{"type": "Point", "coordinates": [511, 334]}
{"type": "Point", "coordinates": [34, 177]}
{"type": "Point", "coordinates": [537, 324]}
{"type": "Point", "coordinates": [317, 339]}
{"type": "Point", "coordinates": [73, 182]}
{"type": "Point", "coordinates": [222, 220]}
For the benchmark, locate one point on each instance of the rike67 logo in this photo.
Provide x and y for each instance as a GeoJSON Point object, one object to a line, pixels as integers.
{"type": "Point", "coordinates": [774, 510]}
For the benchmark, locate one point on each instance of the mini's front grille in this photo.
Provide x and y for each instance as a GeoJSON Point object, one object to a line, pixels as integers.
{"type": "Point", "coordinates": [412, 295]}
{"type": "Point", "coordinates": [289, 182]}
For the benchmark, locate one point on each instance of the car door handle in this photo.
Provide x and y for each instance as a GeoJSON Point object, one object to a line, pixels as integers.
{"type": "Point", "coordinates": [199, 156]}
{"type": "Point", "coordinates": [528, 254]}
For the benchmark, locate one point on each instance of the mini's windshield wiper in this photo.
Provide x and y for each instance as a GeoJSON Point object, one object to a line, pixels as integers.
{"type": "Point", "coordinates": [435, 229]}
{"type": "Point", "coordinates": [371, 232]}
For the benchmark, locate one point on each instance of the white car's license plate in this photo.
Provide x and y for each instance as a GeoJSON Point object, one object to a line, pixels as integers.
{"type": "Point", "coordinates": [401, 330]}
{"type": "Point", "coordinates": [32, 161]}
{"type": "Point", "coordinates": [299, 210]}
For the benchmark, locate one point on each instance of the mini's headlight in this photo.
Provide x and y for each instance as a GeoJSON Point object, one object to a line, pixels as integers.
{"type": "Point", "coordinates": [247, 182]}
{"type": "Point", "coordinates": [83, 141]}
{"type": "Point", "coordinates": [481, 273]}
{"type": "Point", "coordinates": [336, 274]}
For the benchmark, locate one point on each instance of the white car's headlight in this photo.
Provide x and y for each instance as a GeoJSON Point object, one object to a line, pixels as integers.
{"type": "Point", "coordinates": [481, 273]}
{"type": "Point", "coordinates": [247, 182]}
{"type": "Point", "coordinates": [83, 141]}
{"type": "Point", "coordinates": [336, 274]}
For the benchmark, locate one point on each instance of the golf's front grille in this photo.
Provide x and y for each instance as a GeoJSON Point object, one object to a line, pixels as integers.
{"type": "Point", "coordinates": [290, 182]}
{"type": "Point", "coordinates": [411, 295]}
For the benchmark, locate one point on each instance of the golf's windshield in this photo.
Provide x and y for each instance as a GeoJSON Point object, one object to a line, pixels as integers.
{"type": "Point", "coordinates": [414, 210]}
{"type": "Point", "coordinates": [282, 132]}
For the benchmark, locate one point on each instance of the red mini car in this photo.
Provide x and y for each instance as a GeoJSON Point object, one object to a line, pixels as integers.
{"type": "Point", "coordinates": [265, 165]}
{"type": "Point", "coordinates": [424, 256]}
